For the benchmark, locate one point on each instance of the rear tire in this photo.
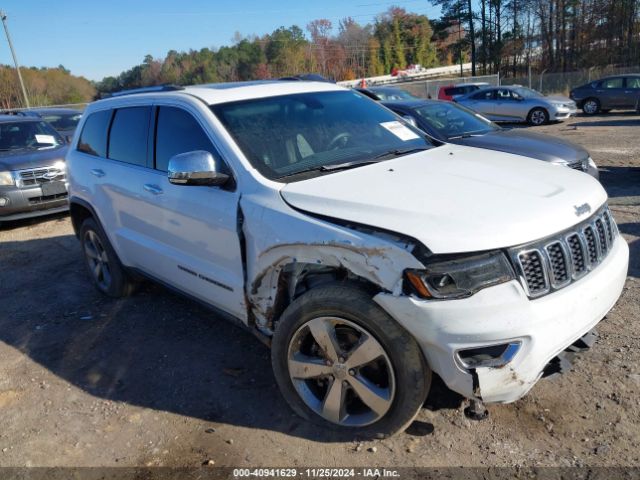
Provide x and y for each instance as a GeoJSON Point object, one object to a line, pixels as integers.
{"type": "Point", "coordinates": [102, 263]}
{"type": "Point", "coordinates": [538, 116]}
{"type": "Point", "coordinates": [591, 106]}
{"type": "Point", "coordinates": [335, 352]}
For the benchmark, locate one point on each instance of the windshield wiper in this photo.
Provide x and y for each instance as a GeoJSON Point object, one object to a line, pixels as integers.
{"type": "Point", "coordinates": [398, 152]}
{"type": "Point", "coordinates": [346, 165]}
{"type": "Point", "coordinates": [466, 135]}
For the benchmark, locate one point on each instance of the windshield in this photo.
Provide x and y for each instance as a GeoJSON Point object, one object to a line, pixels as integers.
{"type": "Point", "coordinates": [525, 92]}
{"type": "Point", "coordinates": [28, 135]}
{"type": "Point", "coordinates": [63, 121]}
{"type": "Point", "coordinates": [451, 120]}
{"type": "Point", "coordinates": [393, 94]}
{"type": "Point", "coordinates": [287, 135]}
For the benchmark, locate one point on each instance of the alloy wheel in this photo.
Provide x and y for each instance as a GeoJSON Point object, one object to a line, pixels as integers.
{"type": "Point", "coordinates": [590, 107]}
{"type": "Point", "coordinates": [538, 117]}
{"type": "Point", "coordinates": [97, 259]}
{"type": "Point", "coordinates": [341, 371]}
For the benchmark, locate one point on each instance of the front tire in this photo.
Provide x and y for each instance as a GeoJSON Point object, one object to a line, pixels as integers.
{"type": "Point", "coordinates": [591, 106]}
{"type": "Point", "coordinates": [102, 263]}
{"type": "Point", "coordinates": [342, 362]}
{"type": "Point", "coordinates": [538, 116]}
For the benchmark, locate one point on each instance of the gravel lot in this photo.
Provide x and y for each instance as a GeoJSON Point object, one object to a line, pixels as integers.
{"type": "Point", "coordinates": [157, 380]}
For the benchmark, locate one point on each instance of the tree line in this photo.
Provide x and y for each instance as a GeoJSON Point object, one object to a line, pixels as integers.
{"type": "Point", "coordinates": [509, 36]}
{"type": "Point", "coordinates": [45, 86]}
{"type": "Point", "coordinates": [346, 50]}
{"type": "Point", "coordinates": [505, 36]}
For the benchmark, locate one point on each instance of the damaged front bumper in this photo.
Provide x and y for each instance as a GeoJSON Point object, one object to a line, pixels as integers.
{"type": "Point", "coordinates": [503, 315]}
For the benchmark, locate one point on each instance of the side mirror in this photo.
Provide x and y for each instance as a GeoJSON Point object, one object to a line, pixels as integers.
{"type": "Point", "coordinates": [195, 168]}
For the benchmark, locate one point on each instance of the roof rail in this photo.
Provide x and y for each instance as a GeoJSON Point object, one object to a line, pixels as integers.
{"type": "Point", "coordinates": [155, 88]}
{"type": "Point", "coordinates": [307, 77]}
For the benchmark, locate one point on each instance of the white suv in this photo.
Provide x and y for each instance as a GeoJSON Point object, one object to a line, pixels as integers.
{"type": "Point", "coordinates": [366, 255]}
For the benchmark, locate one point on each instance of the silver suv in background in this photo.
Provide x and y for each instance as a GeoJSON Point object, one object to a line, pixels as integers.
{"type": "Point", "coordinates": [366, 255]}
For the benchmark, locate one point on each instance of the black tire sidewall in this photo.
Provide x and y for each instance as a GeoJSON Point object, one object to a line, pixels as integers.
{"type": "Point", "coordinates": [412, 375]}
{"type": "Point", "coordinates": [120, 283]}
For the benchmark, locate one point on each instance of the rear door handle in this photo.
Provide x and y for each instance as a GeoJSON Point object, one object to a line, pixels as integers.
{"type": "Point", "coordinates": [156, 190]}
{"type": "Point", "coordinates": [97, 172]}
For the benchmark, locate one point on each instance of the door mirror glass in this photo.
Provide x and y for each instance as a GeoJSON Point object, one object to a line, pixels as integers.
{"type": "Point", "coordinates": [195, 168]}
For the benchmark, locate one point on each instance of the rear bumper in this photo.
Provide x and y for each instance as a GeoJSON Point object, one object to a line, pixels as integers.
{"type": "Point", "coordinates": [20, 203]}
{"type": "Point", "coordinates": [543, 327]}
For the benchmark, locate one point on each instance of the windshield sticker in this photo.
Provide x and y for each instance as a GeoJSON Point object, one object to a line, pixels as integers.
{"type": "Point", "coordinates": [400, 131]}
{"type": "Point", "coordinates": [48, 139]}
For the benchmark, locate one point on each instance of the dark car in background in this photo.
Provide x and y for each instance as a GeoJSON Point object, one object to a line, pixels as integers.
{"type": "Point", "coordinates": [453, 123]}
{"type": "Point", "coordinates": [386, 93]}
{"type": "Point", "coordinates": [64, 120]}
{"type": "Point", "coordinates": [32, 168]}
{"type": "Point", "coordinates": [619, 92]}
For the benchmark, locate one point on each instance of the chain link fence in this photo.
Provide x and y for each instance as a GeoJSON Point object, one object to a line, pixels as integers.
{"type": "Point", "coordinates": [429, 88]}
{"type": "Point", "coordinates": [563, 82]}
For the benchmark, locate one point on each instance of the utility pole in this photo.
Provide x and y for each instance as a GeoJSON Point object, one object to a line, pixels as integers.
{"type": "Point", "coordinates": [3, 16]}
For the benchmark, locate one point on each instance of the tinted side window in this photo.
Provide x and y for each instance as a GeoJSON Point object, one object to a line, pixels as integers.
{"type": "Point", "coordinates": [486, 95]}
{"type": "Point", "coordinates": [612, 83]}
{"type": "Point", "coordinates": [178, 132]}
{"type": "Point", "coordinates": [128, 136]}
{"type": "Point", "coordinates": [633, 82]}
{"type": "Point", "coordinates": [93, 139]}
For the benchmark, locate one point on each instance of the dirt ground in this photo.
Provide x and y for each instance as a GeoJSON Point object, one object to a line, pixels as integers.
{"type": "Point", "coordinates": [158, 380]}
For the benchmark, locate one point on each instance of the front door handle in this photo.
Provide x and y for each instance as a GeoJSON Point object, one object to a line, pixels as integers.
{"type": "Point", "coordinates": [97, 172]}
{"type": "Point", "coordinates": [156, 190]}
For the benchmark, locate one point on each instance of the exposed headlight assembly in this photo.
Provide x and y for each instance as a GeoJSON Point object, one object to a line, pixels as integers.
{"type": "Point", "coordinates": [6, 178]}
{"type": "Point", "coordinates": [460, 277]}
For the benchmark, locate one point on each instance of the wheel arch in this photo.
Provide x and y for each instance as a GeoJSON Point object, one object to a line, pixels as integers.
{"type": "Point", "coordinates": [288, 271]}
{"type": "Point", "coordinates": [80, 210]}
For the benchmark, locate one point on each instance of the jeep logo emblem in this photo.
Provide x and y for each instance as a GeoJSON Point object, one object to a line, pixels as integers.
{"type": "Point", "coordinates": [582, 209]}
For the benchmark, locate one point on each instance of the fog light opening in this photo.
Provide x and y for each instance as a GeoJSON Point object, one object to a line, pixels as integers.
{"type": "Point", "coordinates": [494, 356]}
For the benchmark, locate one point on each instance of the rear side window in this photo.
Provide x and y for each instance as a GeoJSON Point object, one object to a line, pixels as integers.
{"type": "Point", "coordinates": [453, 91]}
{"type": "Point", "coordinates": [93, 139]}
{"type": "Point", "coordinates": [178, 132]}
{"type": "Point", "coordinates": [612, 83]}
{"type": "Point", "coordinates": [128, 136]}
{"type": "Point", "coordinates": [633, 82]}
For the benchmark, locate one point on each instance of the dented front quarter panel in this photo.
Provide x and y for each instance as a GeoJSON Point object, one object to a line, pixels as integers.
{"type": "Point", "coordinates": [278, 236]}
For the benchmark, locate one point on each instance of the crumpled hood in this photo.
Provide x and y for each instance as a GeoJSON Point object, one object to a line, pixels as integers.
{"type": "Point", "coordinates": [530, 144]}
{"type": "Point", "coordinates": [454, 198]}
{"type": "Point", "coordinates": [23, 159]}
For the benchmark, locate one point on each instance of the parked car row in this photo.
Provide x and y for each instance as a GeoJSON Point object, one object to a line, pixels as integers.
{"type": "Point", "coordinates": [520, 104]}
{"type": "Point", "coordinates": [369, 254]}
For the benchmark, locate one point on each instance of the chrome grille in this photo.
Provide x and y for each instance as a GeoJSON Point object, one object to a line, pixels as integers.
{"type": "Point", "coordinates": [554, 263]}
{"type": "Point", "coordinates": [37, 176]}
{"type": "Point", "coordinates": [558, 262]}
{"type": "Point", "coordinates": [534, 271]}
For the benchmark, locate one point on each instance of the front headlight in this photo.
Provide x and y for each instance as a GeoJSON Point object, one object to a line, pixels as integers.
{"type": "Point", "coordinates": [591, 163]}
{"type": "Point", "coordinates": [6, 178]}
{"type": "Point", "coordinates": [460, 277]}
